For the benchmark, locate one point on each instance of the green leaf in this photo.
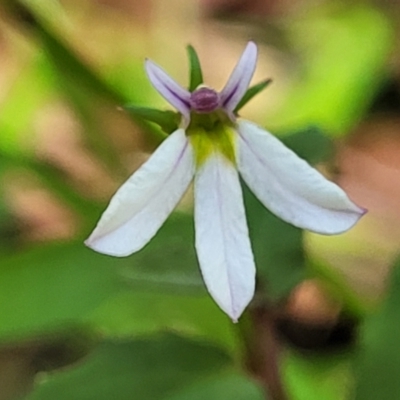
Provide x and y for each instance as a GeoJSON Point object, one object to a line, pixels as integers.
{"type": "Point", "coordinates": [166, 119]}
{"type": "Point", "coordinates": [341, 71]}
{"type": "Point", "coordinates": [138, 312]}
{"type": "Point", "coordinates": [21, 361]}
{"type": "Point", "coordinates": [50, 288]}
{"type": "Point", "coordinates": [251, 92]}
{"type": "Point", "coordinates": [169, 261]}
{"type": "Point", "coordinates": [167, 291]}
{"type": "Point", "coordinates": [378, 362]}
{"type": "Point", "coordinates": [32, 89]}
{"type": "Point", "coordinates": [53, 179]}
{"type": "Point", "coordinates": [310, 143]}
{"type": "Point", "coordinates": [153, 368]}
{"type": "Point", "coordinates": [226, 386]}
{"type": "Point", "coordinates": [72, 68]}
{"type": "Point", "coordinates": [317, 377]}
{"type": "Point", "coordinates": [196, 75]}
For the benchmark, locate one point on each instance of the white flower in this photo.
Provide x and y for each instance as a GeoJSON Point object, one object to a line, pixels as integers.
{"type": "Point", "coordinates": [213, 147]}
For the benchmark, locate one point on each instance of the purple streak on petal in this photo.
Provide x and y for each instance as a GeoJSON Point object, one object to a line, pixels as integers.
{"type": "Point", "coordinates": [240, 79]}
{"type": "Point", "coordinates": [175, 94]}
{"type": "Point", "coordinates": [230, 95]}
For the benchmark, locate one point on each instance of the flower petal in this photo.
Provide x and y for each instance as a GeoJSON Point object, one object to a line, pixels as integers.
{"type": "Point", "coordinates": [144, 201]}
{"type": "Point", "coordinates": [174, 93]}
{"type": "Point", "coordinates": [222, 239]}
{"type": "Point", "coordinates": [240, 78]}
{"type": "Point", "coordinates": [291, 188]}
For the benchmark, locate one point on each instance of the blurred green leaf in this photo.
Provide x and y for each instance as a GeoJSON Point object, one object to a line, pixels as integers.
{"type": "Point", "coordinates": [48, 288]}
{"type": "Point", "coordinates": [317, 377]}
{"type": "Point", "coordinates": [59, 349]}
{"type": "Point", "coordinates": [85, 88]}
{"type": "Point", "coordinates": [251, 92]}
{"type": "Point", "coordinates": [344, 51]}
{"type": "Point", "coordinates": [159, 367]}
{"type": "Point", "coordinates": [226, 386]}
{"type": "Point", "coordinates": [23, 99]}
{"type": "Point", "coordinates": [73, 69]}
{"type": "Point", "coordinates": [166, 119]}
{"type": "Point", "coordinates": [196, 75]}
{"type": "Point", "coordinates": [377, 364]}
{"type": "Point", "coordinates": [54, 180]}
{"type": "Point", "coordinates": [167, 291]}
{"type": "Point", "coordinates": [169, 261]}
{"type": "Point", "coordinates": [139, 312]}
{"type": "Point", "coordinates": [51, 287]}
{"type": "Point", "coordinates": [310, 143]}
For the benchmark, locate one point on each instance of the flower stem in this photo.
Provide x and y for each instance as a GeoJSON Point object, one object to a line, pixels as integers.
{"type": "Point", "coordinates": [262, 350]}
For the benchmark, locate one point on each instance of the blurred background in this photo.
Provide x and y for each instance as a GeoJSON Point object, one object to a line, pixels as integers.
{"type": "Point", "coordinates": [66, 144]}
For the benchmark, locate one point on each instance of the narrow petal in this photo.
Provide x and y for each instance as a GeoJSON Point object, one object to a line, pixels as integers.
{"type": "Point", "coordinates": [240, 78]}
{"type": "Point", "coordinates": [174, 93]}
{"type": "Point", "coordinates": [222, 239]}
{"type": "Point", "coordinates": [145, 200]}
{"type": "Point", "coordinates": [291, 188]}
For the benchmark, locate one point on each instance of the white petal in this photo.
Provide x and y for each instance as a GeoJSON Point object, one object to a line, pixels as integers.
{"type": "Point", "coordinates": [143, 203]}
{"type": "Point", "coordinates": [174, 93]}
{"type": "Point", "coordinates": [222, 239]}
{"type": "Point", "coordinates": [291, 188]}
{"type": "Point", "coordinates": [240, 78]}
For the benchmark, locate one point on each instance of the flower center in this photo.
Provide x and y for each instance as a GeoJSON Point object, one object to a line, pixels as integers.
{"type": "Point", "coordinates": [204, 100]}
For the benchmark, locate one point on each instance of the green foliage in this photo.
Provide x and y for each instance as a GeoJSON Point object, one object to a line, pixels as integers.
{"type": "Point", "coordinates": [251, 92]}
{"type": "Point", "coordinates": [138, 312]}
{"type": "Point", "coordinates": [166, 119]}
{"type": "Point", "coordinates": [225, 386]}
{"type": "Point", "coordinates": [377, 364]}
{"type": "Point", "coordinates": [160, 367]}
{"type": "Point", "coordinates": [50, 288]}
{"type": "Point", "coordinates": [169, 261]}
{"type": "Point", "coordinates": [317, 377]}
{"type": "Point", "coordinates": [72, 69]}
{"type": "Point", "coordinates": [344, 51]}
{"type": "Point", "coordinates": [68, 295]}
{"type": "Point", "coordinates": [196, 75]}
{"type": "Point", "coordinates": [310, 143]}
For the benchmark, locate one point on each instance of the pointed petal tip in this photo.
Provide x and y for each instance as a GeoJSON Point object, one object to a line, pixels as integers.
{"type": "Point", "coordinates": [240, 78]}
{"type": "Point", "coordinates": [363, 211]}
{"type": "Point", "coordinates": [353, 217]}
{"type": "Point", "coordinates": [290, 188]}
{"type": "Point", "coordinates": [100, 248]}
{"type": "Point", "coordinates": [172, 91]}
{"type": "Point", "coordinates": [91, 242]}
{"type": "Point", "coordinates": [234, 315]}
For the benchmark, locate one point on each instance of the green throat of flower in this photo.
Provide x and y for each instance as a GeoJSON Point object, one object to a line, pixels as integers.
{"type": "Point", "coordinates": [211, 133]}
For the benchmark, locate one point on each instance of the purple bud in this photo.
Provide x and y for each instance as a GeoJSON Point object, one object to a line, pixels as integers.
{"type": "Point", "coordinates": [204, 100]}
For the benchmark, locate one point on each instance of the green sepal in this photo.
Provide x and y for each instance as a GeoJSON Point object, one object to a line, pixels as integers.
{"type": "Point", "coordinates": [196, 76]}
{"type": "Point", "coordinates": [167, 120]}
{"type": "Point", "coordinates": [251, 92]}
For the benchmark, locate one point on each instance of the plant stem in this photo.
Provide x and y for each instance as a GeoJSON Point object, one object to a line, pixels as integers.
{"type": "Point", "coordinates": [263, 350]}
